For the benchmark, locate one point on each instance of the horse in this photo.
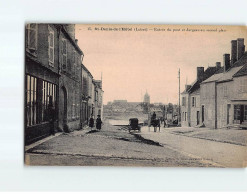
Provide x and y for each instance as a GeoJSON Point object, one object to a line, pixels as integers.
{"type": "Point", "coordinates": [155, 123]}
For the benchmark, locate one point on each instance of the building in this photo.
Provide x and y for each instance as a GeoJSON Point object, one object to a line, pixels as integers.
{"type": "Point", "coordinates": [70, 60]}
{"type": "Point", "coordinates": [146, 99]}
{"type": "Point", "coordinates": [56, 82]}
{"type": "Point", "coordinates": [190, 108]}
{"type": "Point", "coordinates": [98, 98]}
{"type": "Point", "coordinates": [86, 95]}
{"type": "Point", "coordinates": [42, 74]}
{"type": "Point", "coordinates": [224, 95]}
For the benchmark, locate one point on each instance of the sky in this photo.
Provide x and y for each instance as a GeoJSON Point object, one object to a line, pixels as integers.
{"type": "Point", "coordinates": [133, 62]}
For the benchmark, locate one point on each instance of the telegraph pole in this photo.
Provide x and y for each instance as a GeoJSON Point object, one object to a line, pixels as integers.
{"type": "Point", "coordinates": [179, 113]}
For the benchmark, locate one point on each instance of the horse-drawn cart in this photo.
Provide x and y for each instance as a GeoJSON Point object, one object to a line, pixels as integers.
{"type": "Point", "coordinates": [134, 124]}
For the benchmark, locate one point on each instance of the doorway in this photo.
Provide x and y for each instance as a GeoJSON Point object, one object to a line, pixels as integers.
{"type": "Point", "coordinates": [197, 117]}
{"type": "Point", "coordinates": [63, 110]}
{"type": "Point", "coordinates": [228, 113]}
{"type": "Point", "coordinates": [202, 113]}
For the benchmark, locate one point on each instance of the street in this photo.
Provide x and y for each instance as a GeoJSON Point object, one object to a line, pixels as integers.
{"type": "Point", "coordinates": [114, 146]}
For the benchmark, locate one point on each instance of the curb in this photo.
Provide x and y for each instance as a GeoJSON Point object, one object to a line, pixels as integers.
{"type": "Point", "coordinates": [41, 141]}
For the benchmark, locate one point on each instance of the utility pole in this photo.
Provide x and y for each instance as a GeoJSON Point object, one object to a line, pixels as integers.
{"type": "Point", "coordinates": [179, 113]}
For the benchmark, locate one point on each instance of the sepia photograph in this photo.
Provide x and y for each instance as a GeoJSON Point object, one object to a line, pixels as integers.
{"type": "Point", "coordinates": [135, 95]}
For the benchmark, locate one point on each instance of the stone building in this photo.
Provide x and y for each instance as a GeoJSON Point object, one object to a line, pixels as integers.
{"type": "Point", "coordinates": [224, 95]}
{"type": "Point", "coordinates": [98, 98]}
{"type": "Point", "coordinates": [190, 108]}
{"type": "Point", "coordinates": [42, 74]}
{"type": "Point", "coordinates": [86, 95]}
{"type": "Point", "coordinates": [70, 60]}
{"type": "Point", "coordinates": [56, 82]}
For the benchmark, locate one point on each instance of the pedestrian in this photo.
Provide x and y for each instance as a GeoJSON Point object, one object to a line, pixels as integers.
{"type": "Point", "coordinates": [154, 116]}
{"type": "Point", "coordinates": [91, 122]}
{"type": "Point", "coordinates": [50, 116]}
{"type": "Point", "coordinates": [98, 122]}
{"type": "Point", "coordinates": [165, 122]}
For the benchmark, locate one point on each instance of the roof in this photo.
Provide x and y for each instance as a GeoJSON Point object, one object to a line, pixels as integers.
{"type": "Point", "coordinates": [214, 77]}
{"type": "Point", "coordinates": [242, 61]}
{"type": "Point", "coordinates": [85, 68]}
{"type": "Point", "coordinates": [229, 74]}
{"type": "Point", "coordinates": [207, 73]}
{"type": "Point", "coordinates": [241, 72]}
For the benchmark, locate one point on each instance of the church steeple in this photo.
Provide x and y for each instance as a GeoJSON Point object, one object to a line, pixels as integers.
{"type": "Point", "coordinates": [146, 98]}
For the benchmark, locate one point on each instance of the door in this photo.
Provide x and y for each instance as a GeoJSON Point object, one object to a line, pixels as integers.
{"type": "Point", "coordinates": [202, 113]}
{"type": "Point", "coordinates": [228, 113]}
{"type": "Point", "coordinates": [198, 117]}
{"type": "Point", "coordinates": [63, 110]}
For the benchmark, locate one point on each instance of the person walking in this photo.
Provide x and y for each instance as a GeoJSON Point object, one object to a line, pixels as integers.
{"type": "Point", "coordinates": [98, 122]}
{"type": "Point", "coordinates": [91, 122]}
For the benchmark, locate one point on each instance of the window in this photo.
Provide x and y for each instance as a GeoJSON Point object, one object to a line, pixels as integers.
{"type": "Point", "coordinates": [245, 112]}
{"type": "Point", "coordinates": [85, 86]}
{"type": "Point", "coordinates": [185, 116]}
{"type": "Point", "coordinates": [64, 54]}
{"type": "Point", "coordinates": [48, 96]}
{"type": "Point", "coordinates": [243, 85]}
{"type": "Point", "coordinates": [193, 101]}
{"type": "Point", "coordinates": [32, 34]}
{"type": "Point", "coordinates": [78, 110]}
{"type": "Point", "coordinates": [237, 112]}
{"type": "Point", "coordinates": [183, 101]}
{"type": "Point", "coordinates": [96, 96]}
{"type": "Point", "coordinates": [73, 107]}
{"type": "Point", "coordinates": [51, 46]}
{"type": "Point", "coordinates": [225, 91]}
{"type": "Point", "coordinates": [31, 100]}
{"type": "Point", "coordinates": [39, 94]}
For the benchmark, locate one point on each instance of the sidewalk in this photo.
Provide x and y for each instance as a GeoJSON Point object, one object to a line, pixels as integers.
{"type": "Point", "coordinates": [231, 136]}
{"type": "Point", "coordinates": [80, 132]}
{"type": "Point", "coordinates": [225, 154]}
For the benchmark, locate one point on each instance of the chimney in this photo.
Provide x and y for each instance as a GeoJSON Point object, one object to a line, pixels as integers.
{"type": "Point", "coordinates": [218, 65]}
{"type": "Point", "coordinates": [200, 72]}
{"type": "Point", "coordinates": [187, 87]}
{"type": "Point", "coordinates": [226, 62]}
{"type": "Point", "coordinates": [240, 48]}
{"type": "Point", "coordinates": [76, 41]}
{"type": "Point", "coordinates": [234, 51]}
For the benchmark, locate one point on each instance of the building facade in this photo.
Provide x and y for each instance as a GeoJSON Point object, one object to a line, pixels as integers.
{"type": "Point", "coordinates": [41, 79]}
{"type": "Point", "coordinates": [191, 109]}
{"type": "Point", "coordinates": [98, 98]}
{"type": "Point", "coordinates": [223, 96]}
{"type": "Point", "coordinates": [70, 57]}
{"type": "Point", "coordinates": [56, 82]}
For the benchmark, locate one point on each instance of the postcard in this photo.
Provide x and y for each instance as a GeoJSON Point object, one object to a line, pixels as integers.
{"type": "Point", "coordinates": [135, 95]}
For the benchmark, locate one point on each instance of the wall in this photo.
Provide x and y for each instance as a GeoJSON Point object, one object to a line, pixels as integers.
{"type": "Point", "coordinates": [224, 96]}
{"type": "Point", "coordinates": [195, 109]}
{"type": "Point", "coordinates": [70, 80]}
{"type": "Point", "coordinates": [185, 109]}
{"type": "Point", "coordinates": [207, 98]}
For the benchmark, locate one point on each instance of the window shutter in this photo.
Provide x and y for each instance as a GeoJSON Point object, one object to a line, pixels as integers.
{"type": "Point", "coordinates": [64, 54]}
{"type": "Point", "coordinates": [51, 45]}
{"type": "Point", "coordinates": [32, 36]}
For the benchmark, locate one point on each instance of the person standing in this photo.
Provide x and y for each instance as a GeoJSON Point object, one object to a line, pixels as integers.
{"type": "Point", "coordinates": [98, 122]}
{"type": "Point", "coordinates": [91, 122]}
{"type": "Point", "coordinates": [50, 114]}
